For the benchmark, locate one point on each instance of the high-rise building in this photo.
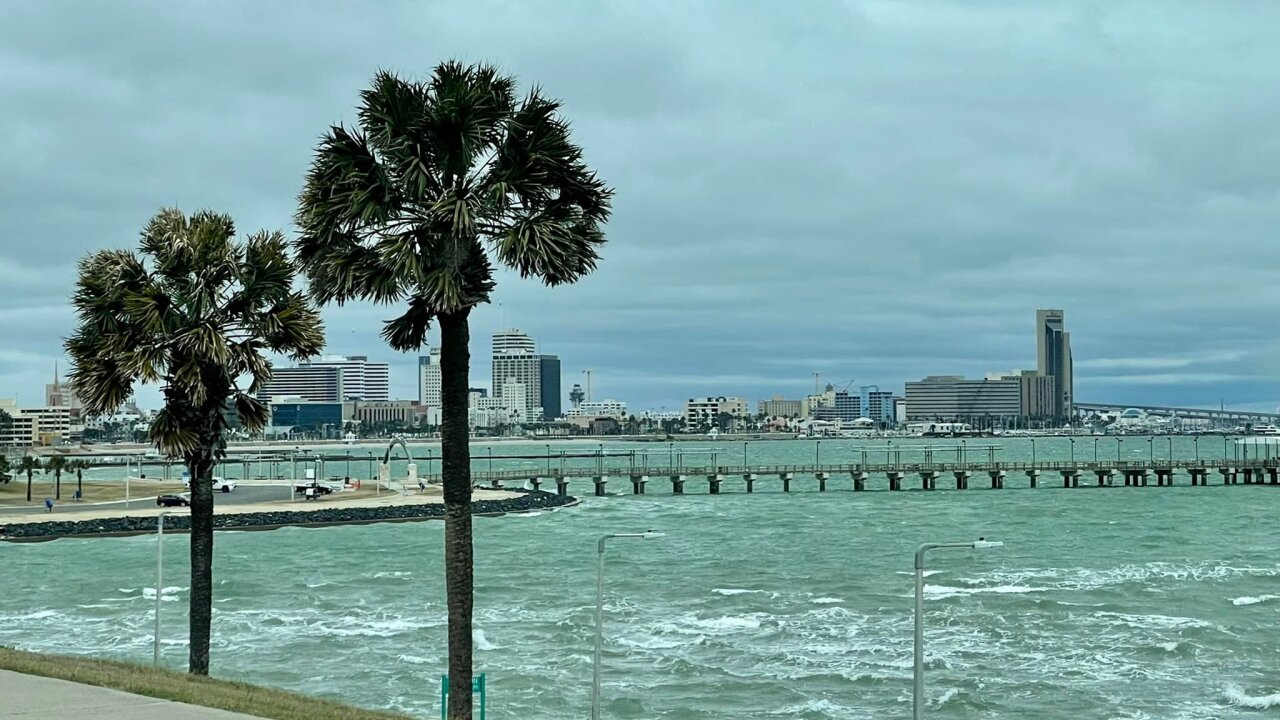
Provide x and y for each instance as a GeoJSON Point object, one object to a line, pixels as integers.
{"type": "Point", "coordinates": [780, 407]}
{"type": "Point", "coordinates": [314, 383]}
{"type": "Point", "coordinates": [512, 341]}
{"type": "Point", "coordinates": [361, 379]}
{"type": "Point", "coordinates": [429, 387]}
{"type": "Point", "coordinates": [1053, 358]}
{"type": "Point", "coordinates": [549, 387]}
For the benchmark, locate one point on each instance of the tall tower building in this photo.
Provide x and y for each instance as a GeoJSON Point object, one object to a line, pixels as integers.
{"type": "Point", "coordinates": [361, 379]}
{"type": "Point", "coordinates": [429, 392]}
{"type": "Point", "coordinates": [317, 384]}
{"type": "Point", "coordinates": [515, 361]}
{"type": "Point", "coordinates": [549, 387]}
{"type": "Point", "coordinates": [1053, 358]}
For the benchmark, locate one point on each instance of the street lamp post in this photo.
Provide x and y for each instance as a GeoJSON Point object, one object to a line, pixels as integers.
{"type": "Point", "coordinates": [1033, 453]}
{"type": "Point", "coordinates": [1119, 442]}
{"type": "Point", "coordinates": [595, 677]}
{"type": "Point", "coordinates": [155, 655]}
{"type": "Point", "coordinates": [917, 698]}
{"type": "Point", "coordinates": [1196, 441]}
{"type": "Point", "coordinates": [817, 453]}
{"type": "Point", "coordinates": [548, 446]}
{"type": "Point", "coordinates": [1095, 451]}
{"type": "Point", "coordinates": [744, 455]}
{"type": "Point", "coordinates": [1073, 450]}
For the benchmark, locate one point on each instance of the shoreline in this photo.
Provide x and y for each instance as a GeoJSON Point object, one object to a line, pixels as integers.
{"type": "Point", "coordinates": [125, 525]}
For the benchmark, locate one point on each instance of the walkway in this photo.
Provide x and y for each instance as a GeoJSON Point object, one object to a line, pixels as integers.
{"type": "Point", "coordinates": [30, 697]}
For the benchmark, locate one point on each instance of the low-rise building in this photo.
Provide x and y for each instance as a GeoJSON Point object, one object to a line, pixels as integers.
{"type": "Point", "coordinates": [706, 412]}
{"type": "Point", "coordinates": [30, 427]}
{"type": "Point", "coordinates": [598, 408]}
{"type": "Point", "coordinates": [778, 407]}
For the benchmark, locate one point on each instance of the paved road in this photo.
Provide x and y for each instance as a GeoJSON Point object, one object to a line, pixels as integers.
{"type": "Point", "coordinates": [28, 697]}
{"type": "Point", "coordinates": [242, 495]}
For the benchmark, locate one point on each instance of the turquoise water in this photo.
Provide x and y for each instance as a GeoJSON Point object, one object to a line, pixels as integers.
{"type": "Point", "coordinates": [1104, 603]}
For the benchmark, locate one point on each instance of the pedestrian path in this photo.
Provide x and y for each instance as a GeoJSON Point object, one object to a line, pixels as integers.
{"type": "Point", "coordinates": [30, 697]}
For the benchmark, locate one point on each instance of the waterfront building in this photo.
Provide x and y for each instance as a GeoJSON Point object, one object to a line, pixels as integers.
{"type": "Point", "coordinates": [297, 412]}
{"type": "Point", "coordinates": [948, 397]}
{"type": "Point", "coordinates": [599, 408]}
{"type": "Point", "coordinates": [706, 411]}
{"type": "Point", "coordinates": [386, 412]}
{"type": "Point", "coordinates": [321, 384]}
{"type": "Point", "coordinates": [778, 407]}
{"type": "Point", "coordinates": [1053, 358]}
{"type": "Point", "coordinates": [361, 379]}
{"type": "Point", "coordinates": [576, 395]}
{"type": "Point", "coordinates": [869, 403]}
{"type": "Point", "coordinates": [32, 427]}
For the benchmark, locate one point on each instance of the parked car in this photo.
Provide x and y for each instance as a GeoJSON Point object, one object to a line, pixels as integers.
{"type": "Point", "coordinates": [219, 484]}
{"type": "Point", "coordinates": [320, 489]}
{"type": "Point", "coordinates": [183, 500]}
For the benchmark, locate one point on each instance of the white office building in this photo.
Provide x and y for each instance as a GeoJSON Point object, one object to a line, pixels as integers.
{"type": "Point", "coordinates": [707, 411]}
{"type": "Point", "coordinates": [599, 408]}
{"type": "Point", "coordinates": [429, 386]}
{"type": "Point", "coordinates": [361, 379]}
{"type": "Point", "coordinates": [317, 383]}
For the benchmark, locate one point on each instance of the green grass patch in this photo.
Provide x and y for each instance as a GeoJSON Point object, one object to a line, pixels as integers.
{"type": "Point", "coordinates": [184, 688]}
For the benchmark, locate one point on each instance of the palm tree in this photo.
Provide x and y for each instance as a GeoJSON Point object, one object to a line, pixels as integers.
{"type": "Point", "coordinates": [79, 467]}
{"type": "Point", "coordinates": [56, 464]}
{"type": "Point", "coordinates": [29, 464]}
{"type": "Point", "coordinates": [4, 469]}
{"type": "Point", "coordinates": [193, 310]}
{"type": "Point", "coordinates": [442, 180]}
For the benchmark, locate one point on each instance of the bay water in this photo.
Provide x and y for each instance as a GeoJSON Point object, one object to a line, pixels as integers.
{"type": "Point", "coordinates": [1103, 603]}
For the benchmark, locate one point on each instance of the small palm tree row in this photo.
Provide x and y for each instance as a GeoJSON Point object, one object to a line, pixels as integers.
{"type": "Point", "coordinates": [195, 311]}
{"type": "Point", "coordinates": [443, 180]}
{"type": "Point", "coordinates": [29, 465]}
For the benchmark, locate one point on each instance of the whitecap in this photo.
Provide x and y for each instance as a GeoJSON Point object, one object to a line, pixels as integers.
{"type": "Point", "coordinates": [482, 642]}
{"type": "Point", "coordinates": [827, 601]}
{"type": "Point", "coordinates": [394, 574]}
{"type": "Point", "coordinates": [733, 591]}
{"type": "Point", "coordinates": [1236, 696]}
{"type": "Point", "coordinates": [946, 591]}
{"type": "Point", "coordinates": [1253, 599]}
{"type": "Point", "coordinates": [946, 697]}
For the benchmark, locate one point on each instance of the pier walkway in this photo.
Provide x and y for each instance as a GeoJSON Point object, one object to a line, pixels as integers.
{"type": "Point", "coordinates": [896, 476]}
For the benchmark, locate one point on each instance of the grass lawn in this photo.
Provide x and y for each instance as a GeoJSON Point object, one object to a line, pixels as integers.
{"type": "Point", "coordinates": [184, 688]}
{"type": "Point", "coordinates": [15, 493]}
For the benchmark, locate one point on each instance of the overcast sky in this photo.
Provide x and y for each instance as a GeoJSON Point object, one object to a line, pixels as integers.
{"type": "Point", "coordinates": [877, 191]}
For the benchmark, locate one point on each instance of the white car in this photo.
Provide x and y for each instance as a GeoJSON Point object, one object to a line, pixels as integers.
{"type": "Point", "coordinates": [219, 484]}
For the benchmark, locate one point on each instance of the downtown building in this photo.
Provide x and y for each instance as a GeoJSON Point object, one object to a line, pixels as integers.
{"type": "Point", "coordinates": [707, 411]}
{"type": "Point", "coordinates": [869, 403]}
{"type": "Point", "coordinates": [515, 361]}
{"type": "Point", "coordinates": [322, 384]}
{"type": "Point", "coordinates": [995, 399]}
{"type": "Point", "coordinates": [1053, 359]}
{"type": "Point", "coordinates": [361, 379]}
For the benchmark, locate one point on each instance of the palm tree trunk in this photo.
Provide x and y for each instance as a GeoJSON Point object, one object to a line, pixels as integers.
{"type": "Point", "coordinates": [79, 484]}
{"type": "Point", "coordinates": [455, 361]}
{"type": "Point", "coordinates": [200, 465]}
{"type": "Point", "coordinates": [28, 486]}
{"type": "Point", "coordinates": [57, 485]}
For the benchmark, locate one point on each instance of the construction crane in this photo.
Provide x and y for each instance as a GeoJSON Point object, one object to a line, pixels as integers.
{"type": "Point", "coordinates": [588, 372]}
{"type": "Point", "coordinates": [817, 387]}
{"type": "Point", "coordinates": [845, 389]}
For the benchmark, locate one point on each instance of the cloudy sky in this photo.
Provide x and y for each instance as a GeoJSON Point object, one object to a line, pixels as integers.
{"type": "Point", "coordinates": [876, 191]}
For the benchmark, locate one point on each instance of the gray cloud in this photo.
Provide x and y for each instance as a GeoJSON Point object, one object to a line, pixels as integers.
{"type": "Point", "coordinates": [873, 190]}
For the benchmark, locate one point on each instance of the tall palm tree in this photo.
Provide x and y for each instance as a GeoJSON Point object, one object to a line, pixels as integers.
{"type": "Point", "coordinates": [29, 464]}
{"type": "Point", "coordinates": [441, 180]}
{"type": "Point", "coordinates": [56, 464]}
{"type": "Point", "coordinates": [4, 469]}
{"type": "Point", "coordinates": [193, 310]}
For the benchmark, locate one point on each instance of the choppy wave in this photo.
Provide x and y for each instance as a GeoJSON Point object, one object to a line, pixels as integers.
{"type": "Point", "coordinates": [945, 591]}
{"type": "Point", "coordinates": [1253, 599]}
{"type": "Point", "coordinates": [1237, 696]}
{"type": "Point", "coordinates": [480, 641]}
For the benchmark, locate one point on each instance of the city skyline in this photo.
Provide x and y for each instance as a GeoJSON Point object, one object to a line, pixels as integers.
{"type": "Point", "coordinates": [777, 214]}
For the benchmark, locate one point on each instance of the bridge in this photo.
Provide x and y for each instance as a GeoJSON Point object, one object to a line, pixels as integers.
{"type": "Point", "coordinates": [1086, 409]}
